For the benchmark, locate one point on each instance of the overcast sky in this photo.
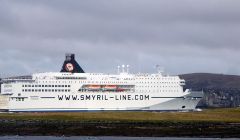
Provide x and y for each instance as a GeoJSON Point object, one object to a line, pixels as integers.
{"type": "Point", "coordinates": [183, 36]}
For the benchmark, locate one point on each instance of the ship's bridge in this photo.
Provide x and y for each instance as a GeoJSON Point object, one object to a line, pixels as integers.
{"type": "Point", "coordinates": [182, 82]}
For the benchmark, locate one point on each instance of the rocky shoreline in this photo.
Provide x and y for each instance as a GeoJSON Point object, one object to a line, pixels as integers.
{"type": "Point", "coordinates": [120, 128]}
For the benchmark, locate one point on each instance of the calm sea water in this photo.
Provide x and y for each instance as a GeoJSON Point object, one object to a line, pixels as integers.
{"type": "Point", "coordinates": [102, 138]}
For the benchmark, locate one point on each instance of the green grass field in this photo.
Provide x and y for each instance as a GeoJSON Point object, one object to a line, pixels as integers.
{"type": "Point", "coordinates": [214, 115]}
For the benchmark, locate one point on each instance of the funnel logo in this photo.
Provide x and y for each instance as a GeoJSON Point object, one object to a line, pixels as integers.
{"type": "Point", "coordinates": [69, 67]}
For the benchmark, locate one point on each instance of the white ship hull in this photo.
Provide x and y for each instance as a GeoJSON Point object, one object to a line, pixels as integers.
{"type": "Point", "coordinates": [106, 102]}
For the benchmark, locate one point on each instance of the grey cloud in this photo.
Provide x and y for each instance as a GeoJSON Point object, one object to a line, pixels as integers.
{"type": "Point", "coordinates": [183, 36]}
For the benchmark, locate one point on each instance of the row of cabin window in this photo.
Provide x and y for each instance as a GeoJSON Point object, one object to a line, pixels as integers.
{"type": "Point", "coordinates": [46, 90]}
{"type": "Point", "coordinates": [18, 99]}
{"type": "Point", "coordinates": [157, 78]}
{"type": "Point", "coordinates": [45, 85]}
{"type": "Point", "coordinates": [71, 77]}
{"type": "Point", "coordinates": [108, 82]}
{"type": "Point", "coordinates": [89, 82]}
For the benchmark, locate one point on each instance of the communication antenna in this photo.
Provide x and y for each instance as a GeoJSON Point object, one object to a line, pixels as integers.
{"type": "Point", "coordinates": [123, 68]}
{"type": "Point", "coordinates": [118, 69]}
{"type": "Point", "coordinates": [128, 68]}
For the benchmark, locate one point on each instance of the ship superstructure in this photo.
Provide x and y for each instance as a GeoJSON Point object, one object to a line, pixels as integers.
{"type": "Point", "coordinates": [74, 90]}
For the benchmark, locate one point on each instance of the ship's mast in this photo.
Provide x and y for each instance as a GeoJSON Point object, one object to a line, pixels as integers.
{"type": "Point", "coordinates": [159, 69]}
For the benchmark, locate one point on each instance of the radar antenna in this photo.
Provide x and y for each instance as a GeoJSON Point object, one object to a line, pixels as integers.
{"type": "Point", "coordinates": [160, 69]}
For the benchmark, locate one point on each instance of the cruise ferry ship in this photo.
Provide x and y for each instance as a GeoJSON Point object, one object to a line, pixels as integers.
{"type": "Point", "coordinates": [72, 89]}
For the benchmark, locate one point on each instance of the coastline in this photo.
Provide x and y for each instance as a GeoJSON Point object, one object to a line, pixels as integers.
{"type": "Point", "coordinates": [169, 124]}
{"type": "Point", "coordinates": [135, 129]}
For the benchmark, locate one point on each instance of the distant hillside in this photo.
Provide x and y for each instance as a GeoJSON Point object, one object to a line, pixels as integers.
{"type": "Point", "coordinates": [220, 90]}
{"type": "Point", "coordinates": [199, 81]}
